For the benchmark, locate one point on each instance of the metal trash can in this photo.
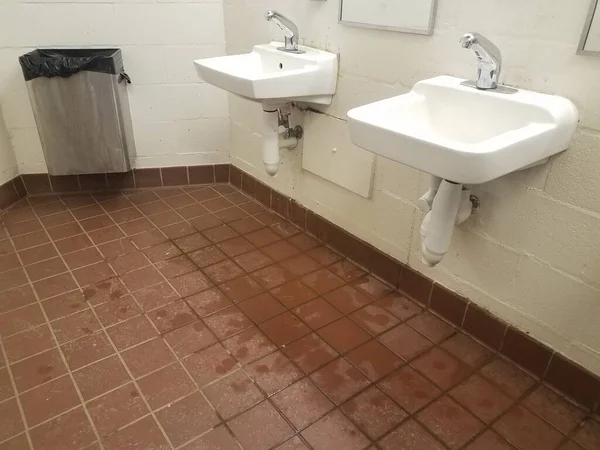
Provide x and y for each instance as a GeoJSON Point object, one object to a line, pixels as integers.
{"type": "Point", "coordinates": [80, 104]}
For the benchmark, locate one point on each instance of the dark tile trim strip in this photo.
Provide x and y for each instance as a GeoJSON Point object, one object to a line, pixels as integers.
{"type": "Point", "coordinates": [526, 352]}
{"type": "Point", "coordinates": [41, 183]}
{"type": "Point", "coordinates": [490, 331]}
{"type": "Point", "coordinates": [448, 305]}
{"type": "Point", "coordinates": [11, 192]}
{"type": "Point", "coordinates": [551, 367]}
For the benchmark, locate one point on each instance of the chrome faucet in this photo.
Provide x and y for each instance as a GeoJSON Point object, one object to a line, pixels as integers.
{"type": "Point", "coordinates": [489, 59]}
{"type": "Point", "coordinates": [290, 31]}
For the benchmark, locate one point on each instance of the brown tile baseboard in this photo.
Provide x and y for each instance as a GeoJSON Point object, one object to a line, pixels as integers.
{"type": "Point", "coordinates": [138, 178]}
{"type": "Point", "coordinates": [547, 365]}
{"type": "Point", "coordinates": [11, 192]}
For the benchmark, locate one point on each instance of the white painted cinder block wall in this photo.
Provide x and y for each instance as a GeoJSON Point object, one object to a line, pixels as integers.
{"type": "Point", "coordinates": [177, 119]}
{"type": "Point", "coordinates": [8, 162]}
{"type": "Point", "coordinates": [531, 254]}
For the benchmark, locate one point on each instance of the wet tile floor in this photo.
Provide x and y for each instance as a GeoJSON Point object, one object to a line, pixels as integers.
{"type": "Point", "coordinates": [194, 319]}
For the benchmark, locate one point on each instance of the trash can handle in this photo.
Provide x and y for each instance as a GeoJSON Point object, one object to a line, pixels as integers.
{"type": "Point", "coordinates": [124, 76]}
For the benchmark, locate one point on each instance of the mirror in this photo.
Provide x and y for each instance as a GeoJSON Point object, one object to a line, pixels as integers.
{"type": "Point", "coordinates": [590, 38]}
{"type": "Point", "coordinates": [409, 16]}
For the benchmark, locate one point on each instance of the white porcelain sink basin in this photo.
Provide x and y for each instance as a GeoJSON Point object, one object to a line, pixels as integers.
{"type": "Point", "coordinates": [269, 75]}
{"type": "Point", "coordinates": [463, 134]}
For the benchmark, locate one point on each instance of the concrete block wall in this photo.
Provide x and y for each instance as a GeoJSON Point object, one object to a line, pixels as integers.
{"type": "Point", "coordinates": [8, 162]}
{"type": "Point", "coordinates": [531, 253]}
{"type": "Point", "coordinates": [177, 119]}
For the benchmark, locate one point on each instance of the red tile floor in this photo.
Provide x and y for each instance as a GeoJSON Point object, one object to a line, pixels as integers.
{"type": "Point", "coordinates": [194, 319]}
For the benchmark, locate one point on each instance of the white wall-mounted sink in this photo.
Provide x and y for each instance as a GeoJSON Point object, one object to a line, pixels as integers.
{"type": "Point", "coordinates": [463, 134]}
{"type": "Point", "coordinates": [269, 75]}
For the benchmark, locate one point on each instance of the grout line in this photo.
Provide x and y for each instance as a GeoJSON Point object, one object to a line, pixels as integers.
{"type": "Point", "coordinates": [75, 220]}
{"type": "Point", "coordinates": [425, 310]}
{"type": "Point", "coordinates": [16, 397]}
{"type": "Point", "coordinates": [571, 435]}
{"type": "Point", "coordinates": [276, 349]}
{"type": "Point", "coordinates": [86, 365]}
{"type": "Point", "coordinates": [16, 361]}
{"type": "Point", "coordinates": [161, 334]}
{"type": "Point", "coordinates": [113, 345]}
{"type": "Point", "coordinates": [348, 315]}
{"type": "Point", "coordinates": [548, 365]}
{"type": "Point", "coordinates": [247, 374]}
{"type": "Point", "coordinates": [103, 329]}
{"type": "Point", "coordinates": [66, 411]}
{"type": "Point", "coordinates": [462, 331]}
{"type": "Point", "coordinates": [241, 368]}
{"type": "Point", "coordinates": [518, 402]}
{"type": "Point", "coordinates": [464, 315]}
{"type": "Point", "coordinates": [180, 360]}
{"type": "Point", "coordinates": [62, 356]}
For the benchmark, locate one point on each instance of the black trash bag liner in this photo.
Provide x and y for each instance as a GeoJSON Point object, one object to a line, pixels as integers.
{"type": "Point", "coordinates": [66, 62]}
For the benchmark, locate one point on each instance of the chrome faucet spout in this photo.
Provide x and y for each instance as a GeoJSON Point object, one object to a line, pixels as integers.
{"type": "Point", "coordinates": [290, 31]}
{"type": "Point", "coordinates": [489, 59]}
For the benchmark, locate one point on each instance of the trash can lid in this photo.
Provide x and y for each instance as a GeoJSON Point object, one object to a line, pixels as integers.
{"type": "Point", "coordinates": [65, 62]}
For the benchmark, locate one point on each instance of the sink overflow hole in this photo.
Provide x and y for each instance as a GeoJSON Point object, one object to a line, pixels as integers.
{"type": "Point", "coordinates": [281, 65]}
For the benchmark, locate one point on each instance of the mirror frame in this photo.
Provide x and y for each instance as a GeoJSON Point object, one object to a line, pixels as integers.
{"type": "Point", "coordinates": [427, 32]}
{"type": "Point", "coordinates": [586, 30]}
